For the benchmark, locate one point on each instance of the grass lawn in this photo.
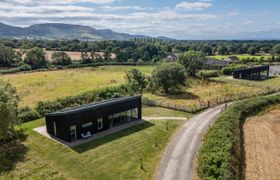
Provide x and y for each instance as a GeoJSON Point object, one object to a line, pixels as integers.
{"type": "Point", "coordinates": [242, 56]}
{"type": "Point", "coordinates": [116, 156]}
{"type": "Point", "coordinates": [203, 91]}
{"type": "Point", "coordinates": [49, 85]}
{"type": "Point", "coordinates": [163, 112]}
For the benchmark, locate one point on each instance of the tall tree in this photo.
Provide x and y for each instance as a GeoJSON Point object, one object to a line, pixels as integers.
{"type": "Point", "coordinates": [193, 61]}
{"type": "Point", "coordinates": [136, 80]}
{"type": "Point", "coordinates": [8, 110]}
{"type": "Point", "coordinates": [36, 58]}
{"type": "Point", "coordinates": [169, 77]}
{"type": "Point", "coordinates": [61, 58]}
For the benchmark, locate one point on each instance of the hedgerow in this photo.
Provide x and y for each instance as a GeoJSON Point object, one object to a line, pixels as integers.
{"type": "Point", "coordinates": [221, 155]}
{"type": "Point", "coordinates": [88, 97]}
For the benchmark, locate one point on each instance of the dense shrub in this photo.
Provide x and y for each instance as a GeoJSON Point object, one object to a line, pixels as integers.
{"type": "Point", "coordinates": [27, 114]}
{"type": "Point", "coordinates": [221, 154]}
{"type": "Point", "coordinates": [229, 69]}
{"type": "Point", "coordinates": [203, 74]}
{"type": "Point", "coordinates": [24, 67]}
{"type": "Point", "coordinates": [84, 98]}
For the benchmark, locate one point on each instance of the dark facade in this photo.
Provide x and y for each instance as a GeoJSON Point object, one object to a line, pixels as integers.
{"type": "Point", "coordinates": [84, 121]}
{"type": "Point", "coordinates": [253, 73]}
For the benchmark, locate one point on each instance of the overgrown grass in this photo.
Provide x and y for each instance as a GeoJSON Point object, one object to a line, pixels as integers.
{"type": "Point", "coordinates": [116, 156]}
{"type": "Point", "coordinates": [49, 85]}
{"type": "Point", "coordinates": [163, 112]}
{"type": "Point", "coordinates": [222, 153]}
{"type": "Point", "coordinates": [242, 56]}
{"type": "Point", "coordinates": [200, 92]}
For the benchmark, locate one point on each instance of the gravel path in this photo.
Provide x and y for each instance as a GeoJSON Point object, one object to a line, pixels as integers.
{"type": "Point", "coordinates": [178, 161]}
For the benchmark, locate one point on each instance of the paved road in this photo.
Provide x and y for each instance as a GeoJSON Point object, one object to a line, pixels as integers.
{"type": "Point", "coordinates": [177, 162]}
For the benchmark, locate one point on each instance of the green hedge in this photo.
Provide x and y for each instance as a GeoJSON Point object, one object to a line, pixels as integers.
{"type": "Point", "coordinates": [229, 69]}
{"type": "Point", "coordinates": [88, 97]}
{"type": "Point", "coordinates": [208, 73]}
{"type": "Point", "coordinates": [221, 155]}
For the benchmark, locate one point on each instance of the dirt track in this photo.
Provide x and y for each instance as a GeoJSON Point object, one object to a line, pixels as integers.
{"type": "Point", "coordinates": [262, 146]}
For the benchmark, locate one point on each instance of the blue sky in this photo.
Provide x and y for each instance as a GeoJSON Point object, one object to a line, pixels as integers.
{"type": "Point", "coordinates": [187, 19]}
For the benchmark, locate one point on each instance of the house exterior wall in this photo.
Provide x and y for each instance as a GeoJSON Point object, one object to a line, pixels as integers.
{"type": "Point", "coordinates": [80, 118]}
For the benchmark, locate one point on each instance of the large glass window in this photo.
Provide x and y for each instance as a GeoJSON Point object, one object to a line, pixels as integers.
{"type": "Point", "coordinates": [87, 124]}
{"type": "Point", "coordinates": [123, 117]}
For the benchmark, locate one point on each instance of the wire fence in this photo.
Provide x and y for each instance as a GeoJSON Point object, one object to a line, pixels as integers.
{"type": "Point", "coordinates": [201, 105]}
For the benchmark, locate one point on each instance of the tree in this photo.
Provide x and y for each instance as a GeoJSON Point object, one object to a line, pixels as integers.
{"type": "Point", "coordinates": [61, 58]}
{"type": "Point", "coordinates": [8, 56]}
{"type": "Point", "coordinates": [276, 49]}
{"type": "Point", "coordinates": [193, 61]}
{"type": "Point", "coordinates": [222, 50]}
{"type": "Point", "coordinates": [252, 51]}
{"type": "Point", "coordinates": [36, 58]}
{"type": "Point", "coordinates": [136, 80]}
{"type": "Point", "coordinates": [206, 49]}
{"type": "Point", "coordinates": [8, 110]}
{"type": "Point", "coordinates": [169, 77]}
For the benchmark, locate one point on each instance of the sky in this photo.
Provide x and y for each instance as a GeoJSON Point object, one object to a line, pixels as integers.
{"type": "Point", "coordinates": [187, 19]}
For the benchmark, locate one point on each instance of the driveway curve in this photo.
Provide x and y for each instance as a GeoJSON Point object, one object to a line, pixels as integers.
{"type": "Point", "coordinates": [177, 162]}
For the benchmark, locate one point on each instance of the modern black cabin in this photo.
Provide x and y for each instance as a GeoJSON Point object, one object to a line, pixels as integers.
{"type": "Point", "coordinates": [252, 73]}
{"type": "Point", "coordinates": [84, 121]}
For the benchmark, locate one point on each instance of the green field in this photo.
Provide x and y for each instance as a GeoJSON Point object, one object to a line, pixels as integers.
{"type": "Point", "coordinates": [49, 85]}
{"type": "Point", "coordinates": [220, 57]}
{"type": "Point", "coordinates": [116, 156]}
{"type": "Point", "coordinates": [163, 112]}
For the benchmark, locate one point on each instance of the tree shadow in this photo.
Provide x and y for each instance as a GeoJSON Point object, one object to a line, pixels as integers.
{"type": "Point", "coordinates": [112, 137]}
{"type": "Point", "coordinates": [12, 152]}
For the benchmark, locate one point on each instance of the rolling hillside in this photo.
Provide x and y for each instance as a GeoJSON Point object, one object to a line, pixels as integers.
{"type": "Point", "coordinates": [64, 31]}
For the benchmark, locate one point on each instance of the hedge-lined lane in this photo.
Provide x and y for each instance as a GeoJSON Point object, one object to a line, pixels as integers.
{"type": "Point", "coordinates": [221, 154]}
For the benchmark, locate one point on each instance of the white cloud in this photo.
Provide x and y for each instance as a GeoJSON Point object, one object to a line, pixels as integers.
{"type": "Point", "coordinates": [234, 13]}
{"type": "Point", "coordinates": [193, 5]}
{"type": "Point", "coordinates": [118, 8]}
{"type": "Point", "coordinates": [248, 22]}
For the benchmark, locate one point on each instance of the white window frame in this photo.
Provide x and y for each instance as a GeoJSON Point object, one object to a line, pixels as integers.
{"type": "Point", "coordinates": [100, 120]}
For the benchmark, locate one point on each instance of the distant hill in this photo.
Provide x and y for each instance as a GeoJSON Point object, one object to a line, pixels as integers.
{"type": "Point", "coordinates": [65, 31]}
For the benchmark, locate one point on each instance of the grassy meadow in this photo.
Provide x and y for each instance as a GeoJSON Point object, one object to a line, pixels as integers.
{"type": "Point", "coordinates": [199, 92]}
{"type": "Point", "coordinates": [116, 156]}
{"type": "Point", "coordinates": [49, 85]}
{"type": "Point", "coordinates": [241, 56]}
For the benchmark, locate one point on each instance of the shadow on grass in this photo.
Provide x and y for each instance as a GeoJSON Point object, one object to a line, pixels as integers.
{"type": "Point", "coordinates": [182, 96]}
{"type": "Point", "coordinates": [12, 152]}
{"type": "Point", "coordinates": [115, 136]}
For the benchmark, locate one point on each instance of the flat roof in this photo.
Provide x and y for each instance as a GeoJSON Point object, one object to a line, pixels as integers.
{"type": "Point", "coordinates": [91, 106]}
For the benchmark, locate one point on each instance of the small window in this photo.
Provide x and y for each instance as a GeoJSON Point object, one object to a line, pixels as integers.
{"type": "Point", "coordinates": [87, 124]}
{"type": "Point", "coordinates": [100, 123]}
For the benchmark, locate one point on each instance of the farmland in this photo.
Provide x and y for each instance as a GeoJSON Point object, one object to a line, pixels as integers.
{"type": "Point", "coordinates": [49, 85]}
{"type": "Point", "coordinates": [261, 141]}
{"type": "Point", "coordinates": [116, 156]}
{"type": "Point", "coordinates": [74, 55]}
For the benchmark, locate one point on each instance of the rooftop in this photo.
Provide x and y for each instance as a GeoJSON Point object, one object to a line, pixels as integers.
{"type": "Point", "coordinates": [92, 105]}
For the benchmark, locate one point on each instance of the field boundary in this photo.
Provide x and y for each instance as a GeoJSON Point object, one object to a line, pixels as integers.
{"type": "Point", "coordinates": [222, 152]}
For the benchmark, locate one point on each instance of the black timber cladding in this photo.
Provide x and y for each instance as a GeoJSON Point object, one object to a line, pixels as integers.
{"type": "Point", "coordinates": [90, 113]}
{"type": "Point", "coordinates": [252, 73]}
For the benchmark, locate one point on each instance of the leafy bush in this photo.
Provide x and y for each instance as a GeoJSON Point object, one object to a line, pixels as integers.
{"type": "Point", "coordinates": [203, 74]}
{"type": "Point", "coordinates": [221, 154]}
{"type": "Point", "coordinates": [84, 98]}
{"type": "Point", "coordinates": [229, 69]}
{"type": "Point", "coordinates": [24, 67]}
{"type": "Point", "coordinates": [27, 114]}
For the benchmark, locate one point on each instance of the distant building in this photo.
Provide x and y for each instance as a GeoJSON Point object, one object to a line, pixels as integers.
{"type": "Point", "coordinates": [213, 62]}
{"type": "Point", "coordinates": [172, 57]}
{"type": "Point", "coordinates": [233, 59]}
{"type": "Point", "coordinates": [252, 73]}
{"type": "Point", "coordinates": [84, 121]}
{"type": "Point", "coordinates": [274, 70]}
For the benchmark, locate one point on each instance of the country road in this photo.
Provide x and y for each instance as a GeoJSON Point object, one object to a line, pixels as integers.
{"type": "Point", "coordinates": [177, 162]}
